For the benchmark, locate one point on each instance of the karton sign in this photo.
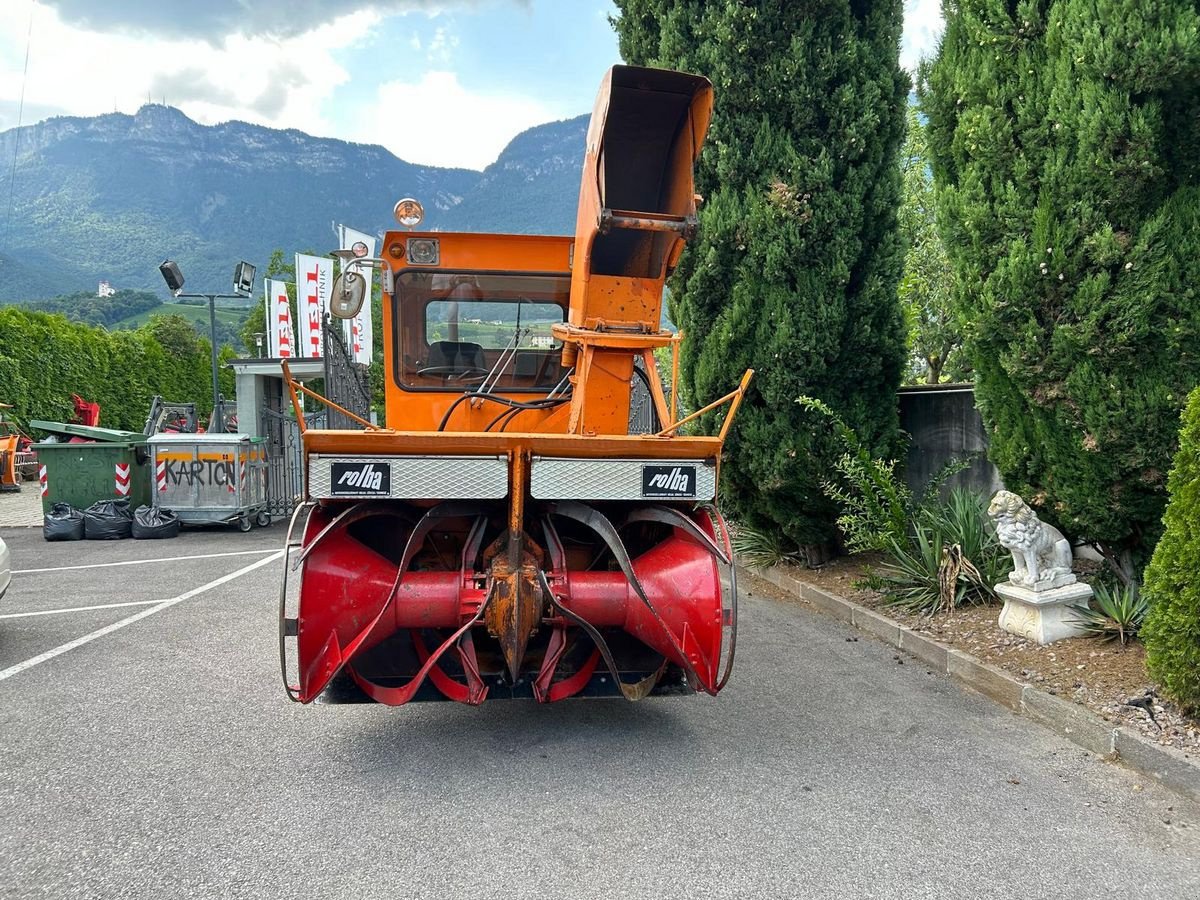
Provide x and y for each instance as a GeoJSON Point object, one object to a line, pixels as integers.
{"type": "Point", "coordinates": [314, 281]}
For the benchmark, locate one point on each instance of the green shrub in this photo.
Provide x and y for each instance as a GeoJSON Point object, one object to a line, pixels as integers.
{"type": "Point", "coordinates": [876, 505]}
{"type": "Point", "coordinates": [1172, 581]}
{"type": "Point", "coordinates": [912, 577]}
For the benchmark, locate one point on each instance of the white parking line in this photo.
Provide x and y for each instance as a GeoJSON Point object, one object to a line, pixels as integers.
{"type": "Point", "coordinates": [55, 612]}
{"type": "Point", "coordinates": [116, 626]}
{"type": "Point", "coordinates": [142, 562]}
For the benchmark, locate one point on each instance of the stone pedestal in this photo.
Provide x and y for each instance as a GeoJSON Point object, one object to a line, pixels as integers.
{"type": "Point", "coordinates": [1044, 616]}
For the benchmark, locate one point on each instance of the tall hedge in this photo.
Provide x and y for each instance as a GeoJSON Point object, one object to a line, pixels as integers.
{"type": "Point", "coordinates": [795, 268]}
{"type": "Point", "coordinates": [1172, 630]}
{"type": "Point", "coordinates": [1063, 137]}
{"type": "Point", "coordinates": [44, 359]}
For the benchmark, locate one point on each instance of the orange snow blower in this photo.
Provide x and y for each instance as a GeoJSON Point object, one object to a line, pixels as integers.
{"type": "Point", "coordinates": [531, 522]}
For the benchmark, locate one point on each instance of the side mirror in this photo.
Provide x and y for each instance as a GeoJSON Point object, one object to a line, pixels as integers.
{"type": "Point", "coordinates": [349, 292]}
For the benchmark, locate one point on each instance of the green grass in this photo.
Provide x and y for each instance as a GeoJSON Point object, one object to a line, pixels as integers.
{"type": "Point", "coordinates": [197, 315]}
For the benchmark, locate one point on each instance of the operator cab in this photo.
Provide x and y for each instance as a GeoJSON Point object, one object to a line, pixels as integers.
{"type": "Point", "coordinates": [460, 330]}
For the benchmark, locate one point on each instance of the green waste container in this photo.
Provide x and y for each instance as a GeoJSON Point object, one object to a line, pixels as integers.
{"type": "Point", "coordinates": [115, 466]}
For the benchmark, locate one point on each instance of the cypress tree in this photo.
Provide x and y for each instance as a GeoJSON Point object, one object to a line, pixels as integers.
{"type": "Point", "coordinates": [1172, 630]}
{"type": "Point", "coordinates": [795, 269]}
{"type": "Point", "coordinates": [1062, 136]}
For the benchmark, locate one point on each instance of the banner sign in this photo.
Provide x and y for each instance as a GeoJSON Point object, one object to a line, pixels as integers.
{"type": "Point", "coordinates": [358, 329]}
{"type": "Point", "coordinates": [314, 281]}
{"type": "Point", "coordinates": [281, 335]}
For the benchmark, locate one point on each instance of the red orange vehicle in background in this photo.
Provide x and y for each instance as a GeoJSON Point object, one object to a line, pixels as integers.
{"type": "Point", "coordinates": [506, 534]}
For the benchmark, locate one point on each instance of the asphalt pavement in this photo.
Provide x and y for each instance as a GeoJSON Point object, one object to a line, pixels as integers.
{"type": "Point", "coordinates": [148, 750]}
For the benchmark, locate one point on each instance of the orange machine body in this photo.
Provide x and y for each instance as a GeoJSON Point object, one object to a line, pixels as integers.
{"type": "Point", "coordinates": [511, 528]}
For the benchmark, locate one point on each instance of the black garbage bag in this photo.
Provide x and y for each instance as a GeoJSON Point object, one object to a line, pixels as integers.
{"type": "Point", "coordinates": [150, 523]}
{"type": "Point", "coordinates": [63, 523]}
{"type": "Point", "coordinates": [107, 520]}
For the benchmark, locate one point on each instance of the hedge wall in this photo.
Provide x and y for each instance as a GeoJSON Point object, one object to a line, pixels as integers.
{"type": "Point", "coordinates": [45, 358]}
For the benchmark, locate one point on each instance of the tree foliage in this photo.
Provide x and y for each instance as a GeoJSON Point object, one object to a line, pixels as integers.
{"type": "Point", "coordinates": [795, 269]}
{"type": "Point", "coordinates": [1171, 632]}
{"type": "Point", "coordinates": [85, 306]}
{"type": "Point", "coordinates": [44, 359]}
{"type": "Point", "coordinates": [926, 287]}
{"type": "Point", "coordinates": [1062, 135]}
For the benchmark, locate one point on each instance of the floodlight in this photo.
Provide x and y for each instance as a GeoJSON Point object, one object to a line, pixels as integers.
{"type": "Point", "coordinates": [172, 276]}
{"type": "Point", "coordinates": [243, 278]}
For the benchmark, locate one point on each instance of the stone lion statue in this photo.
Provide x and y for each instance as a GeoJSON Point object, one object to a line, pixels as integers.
{"type": "Point", "coordinates": [1040, 552]}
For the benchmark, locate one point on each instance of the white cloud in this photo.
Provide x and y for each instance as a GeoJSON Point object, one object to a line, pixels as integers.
{"type": "Point", "coordinates": [922, 28]}
{"type": "Point", "coordinates": [438, 122]}
{"type": "Point", "coordinates": [214, 20]}
{"type": "Point", "coordinates": [293, 82]}
{"type": "Point", "coordinates": [441, 46]}
{"type": "Point", "coordinates": [276, 82]}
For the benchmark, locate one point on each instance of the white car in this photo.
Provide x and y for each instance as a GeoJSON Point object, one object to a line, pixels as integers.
{"type": "Point", "coordinates": [5, 567]}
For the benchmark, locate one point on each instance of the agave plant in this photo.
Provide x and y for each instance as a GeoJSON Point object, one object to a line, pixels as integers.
{"type": "Point", "coordinates": [762, 549]}
{"type": "Point", "coordinates": [963, 521]}
{"type": "Point", "coordinates": [912, 578]}
{"type": "Point", "coordinates": [949, 557]}
{"type": "Point", "coordinates": [1117, 614]}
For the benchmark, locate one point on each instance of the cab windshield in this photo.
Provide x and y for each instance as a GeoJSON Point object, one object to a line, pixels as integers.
{"type": "Point", "coordinates": [461, 331]}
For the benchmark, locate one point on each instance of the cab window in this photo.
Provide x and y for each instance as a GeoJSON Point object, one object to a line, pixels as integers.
{"type": "Point", "coordinates": [454, 329]}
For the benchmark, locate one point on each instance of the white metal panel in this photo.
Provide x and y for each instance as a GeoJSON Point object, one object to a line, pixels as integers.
{"type": "Point", "coordinates": [409, 477]}
{"type": "Point", "coordinates": [554, 478]}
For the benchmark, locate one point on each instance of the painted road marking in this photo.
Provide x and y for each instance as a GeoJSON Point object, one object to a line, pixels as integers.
{"type": "Point", "coordinates": [54, 612]}
{"type": "Point", "coordinates": [142, 562]}
{"type": "Point", "coordinates": [116, 626]}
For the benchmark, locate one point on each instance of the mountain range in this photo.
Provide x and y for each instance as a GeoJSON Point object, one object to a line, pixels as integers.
{"type": "Point", "coordinates": [109, 197]}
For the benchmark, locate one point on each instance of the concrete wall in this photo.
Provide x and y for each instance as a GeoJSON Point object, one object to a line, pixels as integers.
{"type": "Point", "coordinates": [943, 424]}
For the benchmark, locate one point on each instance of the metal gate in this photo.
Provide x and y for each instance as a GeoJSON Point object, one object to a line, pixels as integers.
{"type": "Point", "coordinates": [285, 459]}
{"type": "Point", "coordinates": [346, 382]}
{"type": "Point", "coordinates": [347, 385]}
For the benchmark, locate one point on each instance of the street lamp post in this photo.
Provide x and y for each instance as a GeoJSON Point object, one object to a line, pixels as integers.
{"type": "Point", "coordinates": [243, 283]}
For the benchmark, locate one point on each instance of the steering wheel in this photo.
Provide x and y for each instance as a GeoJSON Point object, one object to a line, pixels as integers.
{"type": "Point", "coordinates": [455, 372]}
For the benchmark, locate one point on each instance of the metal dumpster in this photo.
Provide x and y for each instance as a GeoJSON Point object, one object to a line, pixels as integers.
{"type": "Point", "coordinates": [211, 478]}
{"type": "Point", "coordinates": [110, 464]}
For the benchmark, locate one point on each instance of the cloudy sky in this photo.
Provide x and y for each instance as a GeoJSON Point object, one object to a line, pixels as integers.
{"type": "Point", "coordinates": [443, 82]}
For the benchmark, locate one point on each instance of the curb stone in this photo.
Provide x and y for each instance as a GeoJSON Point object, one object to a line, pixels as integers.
{"type": "Point", "coordinates": [1173, 769]}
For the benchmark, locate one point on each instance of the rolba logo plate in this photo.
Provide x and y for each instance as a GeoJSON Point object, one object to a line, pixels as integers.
{"type": "Point", "coordinates": [669, 481]}
{"type": "Point", "coordinates": [360, 479]}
